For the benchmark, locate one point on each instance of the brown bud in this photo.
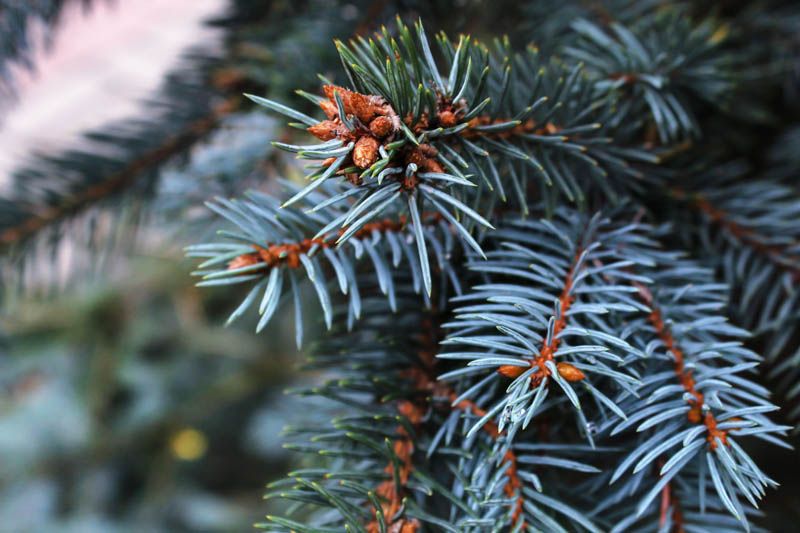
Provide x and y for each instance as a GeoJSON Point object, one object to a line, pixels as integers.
{"type": "Point", "coordinates": [428, 150]}
{"type": "Point", "coordinates": [432, 165]}
{"type": "Point", "coordinates": [406, 526]}
{"type": "Point", "coordinates": [551, 128]}
{"type": "Point", "coordinates": [413, 413]}
{"type": "Point", "coordinates": [569, 372]}
{"type": "Point", "coordinates": [447, 119]}
{"type": "Point", "coordinates": [423, 156]}
{"type": "Point", "coordinates": [420, 125]}
{"type": "Point", "coordinates": [242, 261]}
{"type": "Point", "coordinates": [381, 126]}
{"type": "Point", "coordinates": [415, 156]}
{"type": "Point", "coordinates": [329, 108]}
{"type": "Point", "coordinates": [366, 151]}
{"type": "Point", "coordinates": [511, 371]}
{"type": "Point", "coordinates": [330, 89]}
{"type": "Point", "coordinates": [364, 107]}
{"type": "Point", "coordinates": [325, 130]}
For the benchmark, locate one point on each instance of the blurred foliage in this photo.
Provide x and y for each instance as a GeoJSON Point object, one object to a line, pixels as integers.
{"type": "Point", "coordinates": [130, 408]}
{"type": "Point", "coordinates": [124, 403]}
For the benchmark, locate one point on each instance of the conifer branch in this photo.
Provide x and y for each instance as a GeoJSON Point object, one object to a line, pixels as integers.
{"type": "Point", "coordinates": [670, 509]}
{"type": "Point", "coordinates": [719, 403]}
{"type": "Point", "coordinates": [662, 64]}
{"type": "Point", "coordinates": [785, 256]}
{"type": "Point", "coordinates": [111, 184]}
{"type": "Point", "coordinates": [272, 242]}
{"type": "Point", "coordinates": [517, 312]}
{"type": "Point", "coordinates": [550, 345]}
{"type": "Point", "coordinates": [476, 167]}
{"type": "Point", "coordinates": [698, 412]}
{"type": "Point", "coordinates": [750, 227]}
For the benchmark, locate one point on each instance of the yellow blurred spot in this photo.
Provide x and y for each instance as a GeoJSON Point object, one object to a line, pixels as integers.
{"type": "Point", "coordinates": [720, 34]}
{"type": "Point", "coordinates": [188, 444]}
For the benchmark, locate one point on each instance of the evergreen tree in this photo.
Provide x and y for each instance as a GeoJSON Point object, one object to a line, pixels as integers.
{"type": "Point", "coordinates": [516, 318]}
{"type": "Point", "coordinates": [550, 277]}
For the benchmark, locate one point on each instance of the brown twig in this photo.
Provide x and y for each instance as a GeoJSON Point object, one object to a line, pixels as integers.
{"type": "Point", "coordinates": [424, 379]}
{"type": "Point", "coordinates": [685, 377]}
{"type": "Point", "coordinates": [289, 253]}
{"type": "Point", "coordinates": [669, 501]}
{"type": "Point", "coordinates": [778, 255]}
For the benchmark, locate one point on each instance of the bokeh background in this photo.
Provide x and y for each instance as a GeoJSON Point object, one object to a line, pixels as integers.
{"type": "Point", "coordinates": [125, 405]}
{"type": "Point", "coordinates": [125, 402]}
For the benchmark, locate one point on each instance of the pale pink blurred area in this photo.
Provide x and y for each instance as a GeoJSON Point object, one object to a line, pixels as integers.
{"type": "Point", "coordinates": [101, 64]}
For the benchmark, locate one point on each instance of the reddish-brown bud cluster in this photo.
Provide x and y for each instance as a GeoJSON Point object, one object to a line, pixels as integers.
{"type": "Point", "coordinates": [374, 122]}
{"type": "Point", "coordinates": [424, 157]}
{"type": "Point", "coordinates": [448, 113]}
{"type": "Point", "coordinates": [363, 107]}
{"type": "Point", "coordinates": [418, 126]}
{"type": "Point", "coordinates": [375, 117]}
